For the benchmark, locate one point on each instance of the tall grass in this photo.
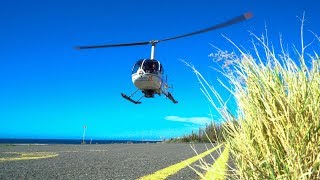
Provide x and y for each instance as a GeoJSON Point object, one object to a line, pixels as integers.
{"type": "Point", "coordinates": [276, 131]}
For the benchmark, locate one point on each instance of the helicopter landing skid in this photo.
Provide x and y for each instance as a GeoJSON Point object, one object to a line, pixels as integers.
{"type": "Point", "coordinates": [169, 96]}
{"type": "Point", "coordinates": [130, 99]}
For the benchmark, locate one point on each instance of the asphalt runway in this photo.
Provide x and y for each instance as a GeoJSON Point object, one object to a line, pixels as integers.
{"type": "Point", "coordinates": [108, 161]}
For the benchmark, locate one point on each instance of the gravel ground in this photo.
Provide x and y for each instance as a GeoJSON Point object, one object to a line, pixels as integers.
{"type": "Point", "coordinates": [108, 161]}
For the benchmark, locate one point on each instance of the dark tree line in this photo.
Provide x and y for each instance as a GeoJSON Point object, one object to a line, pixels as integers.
{"type": "Point", "coordinates": [210, 133]}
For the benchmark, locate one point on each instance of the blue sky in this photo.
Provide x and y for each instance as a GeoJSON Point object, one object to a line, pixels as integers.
{"type": "Point", "coordinates": [50, 90]}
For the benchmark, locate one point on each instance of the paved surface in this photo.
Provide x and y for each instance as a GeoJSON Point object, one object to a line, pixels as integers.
{"type": "Point", "coordinates": [110, 161]}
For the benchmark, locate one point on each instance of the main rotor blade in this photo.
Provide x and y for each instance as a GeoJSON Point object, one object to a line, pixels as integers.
{"type": "Point", "coordinates": [235, 20]}
{"type": "Point", "coordinates": [114, 45]}
{"type": "Point", "coordinates": [218, 26]}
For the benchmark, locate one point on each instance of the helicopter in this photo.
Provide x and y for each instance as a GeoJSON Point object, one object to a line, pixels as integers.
{"type": "Point", "coordinates": [148, 74]}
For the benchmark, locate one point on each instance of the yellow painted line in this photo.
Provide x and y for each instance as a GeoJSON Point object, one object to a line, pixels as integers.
{"type": "Point", "coordinates": [168, 171]}
{"type": "Point", "coordinates": [219, 167]}
{"type": "Point", "coordinates": [28, 156]}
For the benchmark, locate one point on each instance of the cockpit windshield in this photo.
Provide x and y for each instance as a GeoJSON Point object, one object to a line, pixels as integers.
{"type": "Point", "coordinates": [148, 66]}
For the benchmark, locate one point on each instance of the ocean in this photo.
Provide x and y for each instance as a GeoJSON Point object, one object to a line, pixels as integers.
{"type": "Point", "coordinates": [71, 141]}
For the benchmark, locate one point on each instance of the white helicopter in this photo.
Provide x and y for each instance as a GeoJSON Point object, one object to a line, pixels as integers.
{"type": "Point", "coordinates": [148, 74]}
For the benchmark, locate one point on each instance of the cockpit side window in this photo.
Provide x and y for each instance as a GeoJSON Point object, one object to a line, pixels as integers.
{"type": "Point", "coordinates": [161, 69]}
{"type": "Point", "coordinates": [136, 66]}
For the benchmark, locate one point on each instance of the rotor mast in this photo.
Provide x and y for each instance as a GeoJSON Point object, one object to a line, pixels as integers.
{"type": "Point", "coordinates": [153, 47]}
